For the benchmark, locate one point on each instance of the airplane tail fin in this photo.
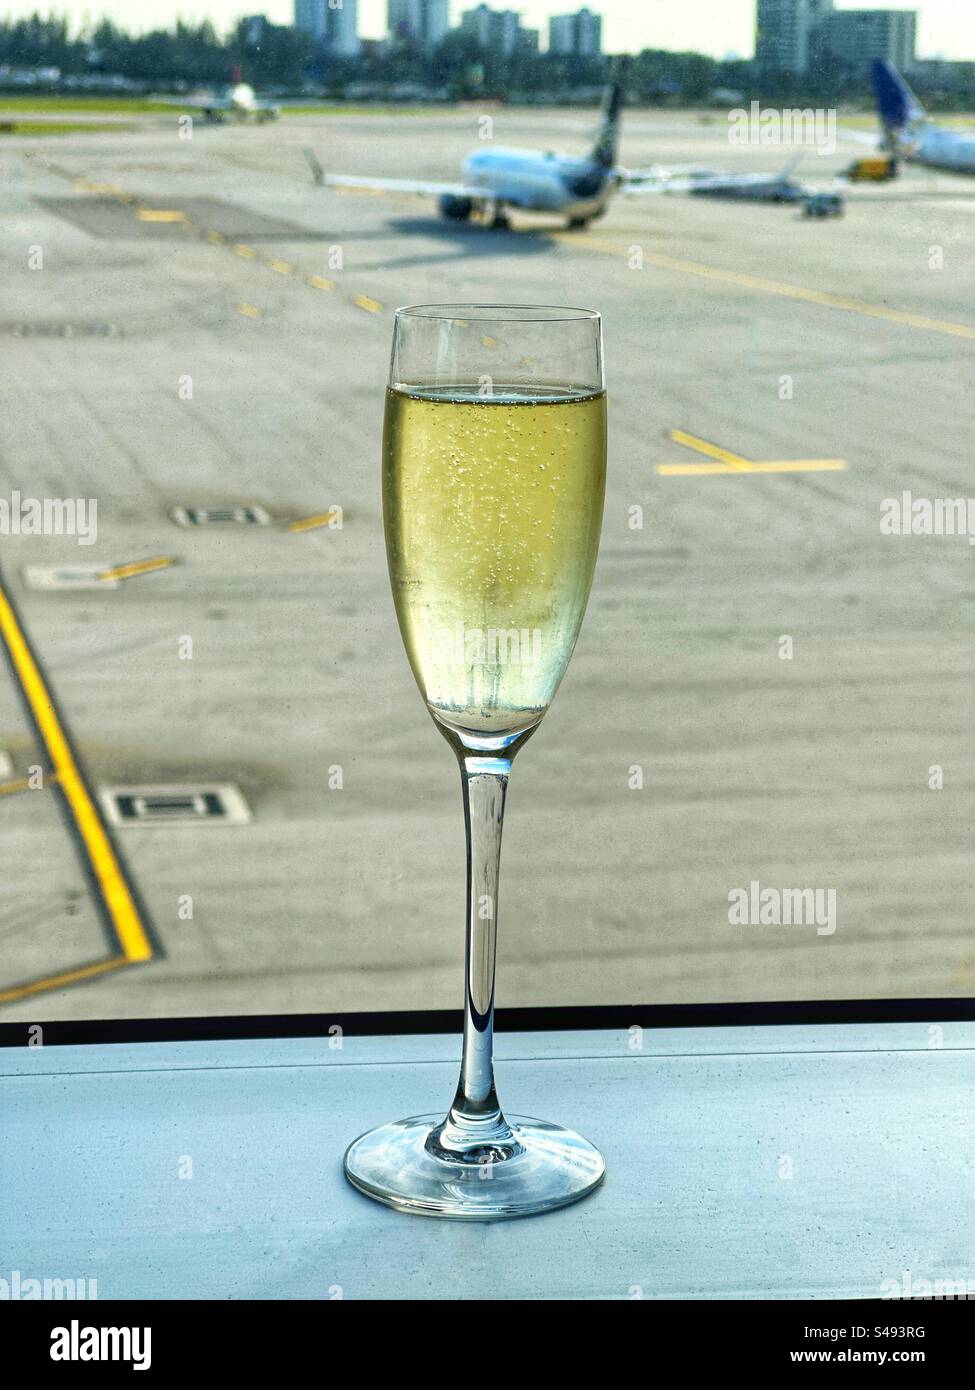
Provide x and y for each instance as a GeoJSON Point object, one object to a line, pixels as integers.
{"type": "Point", "coordinates": [606, 145]}
{"type": "Point", "coordinates": [789, 168]}
{"type": "Point", "coordinates": [897, 106]}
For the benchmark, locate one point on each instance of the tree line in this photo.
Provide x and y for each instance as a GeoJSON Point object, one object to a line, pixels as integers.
{"type": "Point", "coordinates": [283, 58]}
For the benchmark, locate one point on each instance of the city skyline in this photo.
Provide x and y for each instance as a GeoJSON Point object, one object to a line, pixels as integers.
{"type": "Point", "coordinates": [714, 27]}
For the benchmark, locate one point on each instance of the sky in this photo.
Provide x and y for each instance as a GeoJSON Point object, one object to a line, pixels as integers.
{"type": "Point", "coordinates": [946, 28]}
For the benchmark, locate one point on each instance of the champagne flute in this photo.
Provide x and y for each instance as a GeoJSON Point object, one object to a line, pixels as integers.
{"type": "Point", "coordinates": [494, 466]}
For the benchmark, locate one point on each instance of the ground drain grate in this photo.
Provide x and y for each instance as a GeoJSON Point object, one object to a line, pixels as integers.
{"type": "Point", "coordinates": [213, 804]}
{"type": "Point", "coordinates": [220, 516]}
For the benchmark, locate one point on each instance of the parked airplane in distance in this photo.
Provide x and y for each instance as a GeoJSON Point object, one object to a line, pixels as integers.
{"type": "Point", "coordinates": [756, 188]}
{"type": "Point", "coordinates": [238, 100]}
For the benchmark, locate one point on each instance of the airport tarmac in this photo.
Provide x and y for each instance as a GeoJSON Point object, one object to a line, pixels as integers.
{"type": "Point", "coordinates": [192, 324]}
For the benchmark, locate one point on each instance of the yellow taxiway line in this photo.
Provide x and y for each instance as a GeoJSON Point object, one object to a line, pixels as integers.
{"type": "Point", "coordinates": [777, 287]}
{"type": "Point", "coordinates": [311, 523]}
{"type": "Point", "coordinates": [723, 461]}
{"type": "Point", "coordinates": [23, 784]}
{"type": "Point", "coordinates": [59, 981]}
{"type": "Point", "coordinates": [99, 851]}
{"type": "Point", "coordinates": [158, 562]}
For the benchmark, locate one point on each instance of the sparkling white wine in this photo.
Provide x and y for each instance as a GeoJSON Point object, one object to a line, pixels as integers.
{"type": "Point", "coordinates": [492, 507]}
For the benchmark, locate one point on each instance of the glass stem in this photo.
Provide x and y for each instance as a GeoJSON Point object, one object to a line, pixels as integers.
{"type": "Point", "coordinates": [475, 1130]}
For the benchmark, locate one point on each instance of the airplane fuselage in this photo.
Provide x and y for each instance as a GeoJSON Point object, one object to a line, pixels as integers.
{"type": "Point", "coordinates": [941, 149]}
{"type": "Point", "coordinates": [536, 182]}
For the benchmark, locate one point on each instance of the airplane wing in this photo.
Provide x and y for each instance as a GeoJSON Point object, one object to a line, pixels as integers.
{"type": "Point", "coordinates": [196, 102]}
{"type": "Point", "coordinates": [422, 188]}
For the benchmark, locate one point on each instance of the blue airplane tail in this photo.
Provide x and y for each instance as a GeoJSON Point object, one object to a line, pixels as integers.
{"type": "Point", "coordinates": [897, 105]}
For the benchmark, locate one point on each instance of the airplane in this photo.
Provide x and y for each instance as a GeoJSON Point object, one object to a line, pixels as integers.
{"type": "Point", "coordinates": [756, 188]}
{"type": "Point", "coordinates": [494, 179]}
{"type": "Point", "coordinates": [238, 100]}
{"type": "Point", "coordinates": [578, 187]}
{"type": "Point", "coordinates": [910, 134]}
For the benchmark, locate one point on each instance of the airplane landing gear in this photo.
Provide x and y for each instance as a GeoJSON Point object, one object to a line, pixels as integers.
{"type": "Point", "coordinates": [500, 220]}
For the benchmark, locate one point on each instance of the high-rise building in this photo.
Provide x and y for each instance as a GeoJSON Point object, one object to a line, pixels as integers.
{"type": "Point", "coordinates": [403, 19]}
{"type": "Point", "coordinates": [576, 35]}
{"type": "Point", "coordinates": [497, 30]}
{"type": "Point", "coordinates": [423, 22]}
{"type": "Point", "coordinates": [854, 38]}
{"type": "Point", "coordinates": [785, 31]}
{"type": "Point", "coordinates": [332, 22]}
{"type": "Point", "coordinates": [436, 23]}
{"type": "Point", "coordinates": [310, 17]}
{"type": "Point", "coordinates": [341, 32]}
{"type": "Point", "coordinates": [561, 34]}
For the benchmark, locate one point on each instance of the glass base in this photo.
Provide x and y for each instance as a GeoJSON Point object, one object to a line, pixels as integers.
{"type": "Point", "coordinates": [543, 1168]}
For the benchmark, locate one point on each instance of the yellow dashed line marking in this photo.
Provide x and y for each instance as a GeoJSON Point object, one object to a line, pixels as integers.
{"type": "Point", "coordinates": [777, 287]}
{"type": "Point", "coordinates": [310, 523]}
{"type": "Point", "coordinates": [158, 562]}
{"type": "Point", "coordinates": [86, 186]}
{"type": "Point", "coordinates": [240, 248]}
{"type": "Point", "coordinates": [160, 215]}
{"type": "Point", "coordinates": [723, 461]}
{"type": "Point", "coordinates": [100, 853]}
